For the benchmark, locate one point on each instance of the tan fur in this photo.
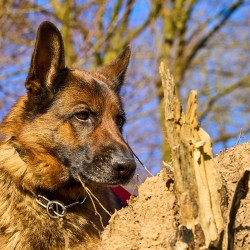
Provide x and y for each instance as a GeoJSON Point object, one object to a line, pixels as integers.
{"type": "Point", "coordinates": [40, 142]}
{"type": "Point", "coordinates": [24, 224]}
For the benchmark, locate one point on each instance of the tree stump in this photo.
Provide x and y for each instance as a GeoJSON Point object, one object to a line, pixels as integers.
{"type": "Point", "coordinates": [197, 182]}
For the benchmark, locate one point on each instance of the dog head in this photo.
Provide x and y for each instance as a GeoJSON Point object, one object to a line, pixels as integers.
{"type": "Point", "coordinates": [71, 120]}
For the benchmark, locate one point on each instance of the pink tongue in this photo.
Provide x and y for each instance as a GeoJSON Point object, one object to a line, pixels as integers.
{"type": "Point", "coordinates": [122, 194]}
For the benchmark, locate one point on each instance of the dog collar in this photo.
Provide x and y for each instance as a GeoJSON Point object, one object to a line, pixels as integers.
{"type": "Point", "coordinates": [56, 209]}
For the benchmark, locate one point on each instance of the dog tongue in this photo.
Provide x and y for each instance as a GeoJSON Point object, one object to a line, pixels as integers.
{"type": "Point", "coordinates": [121, 193]}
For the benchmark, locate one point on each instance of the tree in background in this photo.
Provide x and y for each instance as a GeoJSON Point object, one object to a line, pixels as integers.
{"type": "Point", "coordinates": [205, 44]}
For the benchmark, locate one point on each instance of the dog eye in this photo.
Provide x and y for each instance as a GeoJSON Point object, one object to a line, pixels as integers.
{"type": "Point", "coordinates": [82, 116]}
{"type": "Point", "coordinates": [119, 120]}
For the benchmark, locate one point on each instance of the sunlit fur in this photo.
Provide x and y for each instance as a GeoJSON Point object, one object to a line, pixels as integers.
{"type": "Point", "coordinates": [45, 148]}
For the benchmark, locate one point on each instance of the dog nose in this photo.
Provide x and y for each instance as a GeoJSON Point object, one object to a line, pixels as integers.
{"type": "Point", "coordinates": [124, 167]}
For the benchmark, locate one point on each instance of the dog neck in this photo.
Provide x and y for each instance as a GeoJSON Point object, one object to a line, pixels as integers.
{"type": "Point", "coordinates": [13, 160]}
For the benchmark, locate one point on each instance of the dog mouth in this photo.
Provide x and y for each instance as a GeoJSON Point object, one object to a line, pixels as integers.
{"type": "Point", "coordinates": [105, 174]}
{"type": "Point", "coordinates": [105, 179]}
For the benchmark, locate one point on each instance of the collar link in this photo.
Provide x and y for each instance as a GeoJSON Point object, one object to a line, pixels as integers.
{"type": "Point", "coordinates": [56, 209]}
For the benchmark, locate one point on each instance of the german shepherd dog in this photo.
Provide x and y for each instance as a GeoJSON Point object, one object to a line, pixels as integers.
{"type": "Point", "coordinates": [63, 135]}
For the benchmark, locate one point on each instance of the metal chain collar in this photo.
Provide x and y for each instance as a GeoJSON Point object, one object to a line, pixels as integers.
{"type": "Point", "coordinates": [56, 209]}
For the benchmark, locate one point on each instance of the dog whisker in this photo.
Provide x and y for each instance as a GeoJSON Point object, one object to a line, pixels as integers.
{"type": "Point", "coordinates": [138, 159]}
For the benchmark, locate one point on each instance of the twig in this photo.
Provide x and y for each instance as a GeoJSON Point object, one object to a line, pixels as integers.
{"type": "Point", "coordinates": [239, 137]}
{"type": "Point", "coordinates": [92, 195]}
{"type": "Point", "coordinates": [136, 185]}
{"type": "Point", "coordinates": [142, 164]}
{"type": "Point", "coordinates": [139, 160]}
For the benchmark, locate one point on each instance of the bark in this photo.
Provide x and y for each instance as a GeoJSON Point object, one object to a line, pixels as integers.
{"type": "Point", "coordinates": [197, 181]}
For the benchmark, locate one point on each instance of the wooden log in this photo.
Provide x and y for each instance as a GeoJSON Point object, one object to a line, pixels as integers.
{"type": "Point", "coordinates": [197, 182]}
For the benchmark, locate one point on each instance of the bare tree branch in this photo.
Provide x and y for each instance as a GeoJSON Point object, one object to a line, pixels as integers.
{"type": "Point", "coordinates": [243, 82]}
{"type": "Point", "coordinates": [225, 15]}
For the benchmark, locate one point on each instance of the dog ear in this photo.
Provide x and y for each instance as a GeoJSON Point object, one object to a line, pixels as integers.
{"type": "Point", "coordinates": [47, 60]}
{"type": "Point", "coordinates": [117, 69]}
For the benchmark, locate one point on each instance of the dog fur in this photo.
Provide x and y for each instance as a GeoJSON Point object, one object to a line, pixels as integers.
{"type": "Point", "coordinates": [68, 126]}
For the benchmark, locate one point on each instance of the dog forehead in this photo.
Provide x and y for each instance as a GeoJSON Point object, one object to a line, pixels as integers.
{"type": "Point", "coordinates": [88, 77]}
{"type": "Point", "coordinates": [92, 83]}
{"type": "Point", "coordinates": [89, 88]}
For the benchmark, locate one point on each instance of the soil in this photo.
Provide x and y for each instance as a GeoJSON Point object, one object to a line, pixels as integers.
{"type": "Point", "coordinates": [232, 165]}
{"type": "Point", "coordinates": [151, 219]}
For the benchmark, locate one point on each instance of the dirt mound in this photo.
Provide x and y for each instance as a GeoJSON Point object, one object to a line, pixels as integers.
{"type": "Point", "coordinates": [148, 221]}
{"type": "Point", "coordinates": [151, 221]}
{"type": "Point", "coordinates": [234, 167]}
